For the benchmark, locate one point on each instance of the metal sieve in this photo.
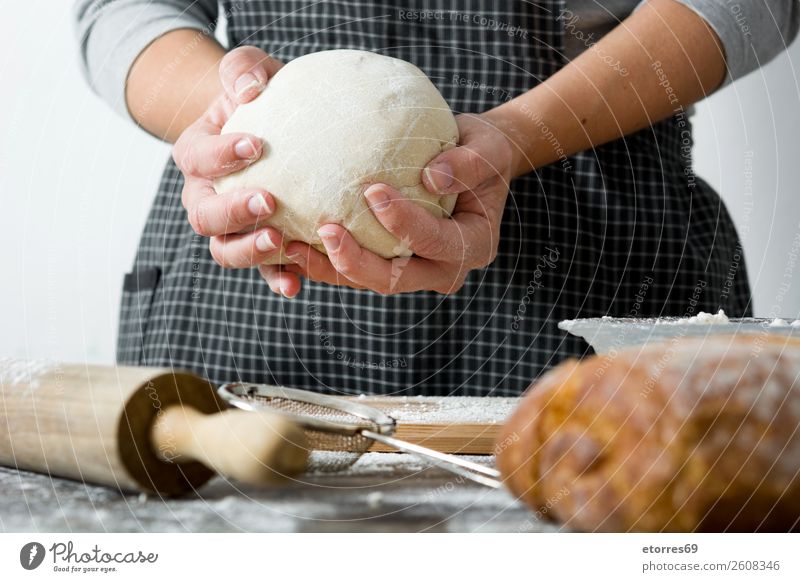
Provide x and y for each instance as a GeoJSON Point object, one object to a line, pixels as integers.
{"type": "Point", "coordinates": [343, 428]}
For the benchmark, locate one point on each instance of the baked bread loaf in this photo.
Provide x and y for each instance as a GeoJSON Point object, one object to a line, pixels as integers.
{"type": "Point", "coordinates": [694, 434]}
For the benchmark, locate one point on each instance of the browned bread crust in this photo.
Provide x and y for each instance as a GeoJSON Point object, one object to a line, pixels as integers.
{"type": "Point", "coordinates": [695, 434]}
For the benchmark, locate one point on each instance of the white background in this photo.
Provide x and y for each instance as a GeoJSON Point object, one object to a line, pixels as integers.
{"type": "Point", "coordinates": [77, 182]}
{"type": "Point", "coordinates": [403, 557]}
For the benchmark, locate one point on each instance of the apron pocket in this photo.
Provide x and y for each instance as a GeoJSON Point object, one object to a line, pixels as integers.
{"type": "Point", "coordinates": [138, 289]}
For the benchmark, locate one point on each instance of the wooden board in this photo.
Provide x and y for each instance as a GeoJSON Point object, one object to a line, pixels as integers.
{"type": "Point", "coordinates": [451, 424]}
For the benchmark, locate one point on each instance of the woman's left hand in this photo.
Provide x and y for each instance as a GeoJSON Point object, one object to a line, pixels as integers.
{"type": "Point", "coordinates": [445, 250]}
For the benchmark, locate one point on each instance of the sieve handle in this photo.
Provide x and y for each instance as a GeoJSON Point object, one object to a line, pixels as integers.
{"type": "Point", "coordinates": [473, 471]}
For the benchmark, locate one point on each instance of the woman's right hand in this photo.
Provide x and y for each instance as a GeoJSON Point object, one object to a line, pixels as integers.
{"type": "Point", "coordinates": [232, 222]}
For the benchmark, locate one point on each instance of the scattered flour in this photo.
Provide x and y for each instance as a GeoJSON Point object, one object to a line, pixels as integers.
{"type": "Point", "coordinates": [15, 372]}
{"type": "Point", "coordinates": [701, 318]}
{"type": "Point", "coordinates": [374, 499]}
{"type": "Point", "coordinates": [391, 465]}
{"type": "Point", "coordinates": [331, 461]}
{"type": "Point", "coordinates": [413, 497]}
{"type": "Point", "coordinates": [704, 318]}
{"type": "Point", "coordinates": [720, 317]}
{"type": "Point", "coordinates": [453, 409]}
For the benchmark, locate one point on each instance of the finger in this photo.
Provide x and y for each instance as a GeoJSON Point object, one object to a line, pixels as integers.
{"type": "Point", "coordinates": [239, 251]}
{"type": "Point", "coordinates": [268, 273]}
{"type": "Point", "coordinates": [458, 240]}
{"type": "Point", "coordinates": [218, 114]}
{"type": "Point", "coordinates": [281, 282]}
{"type": "Point", "coordinates": [209, 155]}
{"type": "Point", "coordinates": [244, 72]}
{"type": "Point", "coordinates": [314, 265]}
{"type": "Point", "coordinates": [211, 214]}
{"type": "Point", "coordinates": [465, 167]}
{"type": "Point", "coordinates": [386, 276]}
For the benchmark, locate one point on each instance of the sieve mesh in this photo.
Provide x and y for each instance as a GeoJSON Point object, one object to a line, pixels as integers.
{"type": "Point", "coordinates": [331, 450]}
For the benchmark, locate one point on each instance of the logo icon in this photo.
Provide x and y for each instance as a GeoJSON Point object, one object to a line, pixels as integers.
{"type": "Point", "coordinates": [31, 555]}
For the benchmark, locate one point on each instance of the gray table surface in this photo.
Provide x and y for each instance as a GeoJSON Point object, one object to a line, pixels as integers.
{"type": "Point", "coordinates": [382, 492]}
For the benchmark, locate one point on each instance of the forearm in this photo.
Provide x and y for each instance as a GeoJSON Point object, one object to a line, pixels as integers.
{"type": "Point", "coordinates": [662, 58]}
{"type": "Point", "coordinates": [173, 81]}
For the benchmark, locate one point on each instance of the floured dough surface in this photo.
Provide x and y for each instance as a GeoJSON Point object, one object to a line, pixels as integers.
{"type": "Point", "coordinates": [333, 123]}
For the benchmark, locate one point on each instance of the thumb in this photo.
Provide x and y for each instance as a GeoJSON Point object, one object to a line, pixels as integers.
{"type": "Point", "coordinates": [244, 72]}
{"type": "Point", "coordinates": [459, 169]}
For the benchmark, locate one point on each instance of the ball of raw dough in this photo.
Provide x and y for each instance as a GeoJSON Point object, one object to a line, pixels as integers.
{"type": "Point", "coordinates": [333, 123]}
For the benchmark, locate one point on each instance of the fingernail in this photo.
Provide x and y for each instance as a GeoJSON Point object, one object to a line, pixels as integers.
{"type": "Point", "coordinates": [264, 243]}
{"type": "Point", "coordinates": [245, 83]}
{"type": "Point", "coordinates": [439, 175]}
{"type": "Point", "coordinates": [257, 205]}
{"type": "Point", "coordinates": [245, 149]}
{"type": "Point", "coordinates": [330, 237]}
{"type": "Point", "coordinates": [284, 290]}
{"type": "Point", "coordinates": [378, 200]}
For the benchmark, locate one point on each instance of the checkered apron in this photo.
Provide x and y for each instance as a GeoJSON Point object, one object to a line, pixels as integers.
{"type": "Point", "coordinates": [625, 229]}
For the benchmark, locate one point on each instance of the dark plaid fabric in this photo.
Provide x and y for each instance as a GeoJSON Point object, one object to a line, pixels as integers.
{"type": "Point", "coordinates": [624, 229]}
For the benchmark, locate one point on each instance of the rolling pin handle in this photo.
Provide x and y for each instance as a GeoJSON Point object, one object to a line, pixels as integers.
{"type": "Point", "coordinates": [252, 447]}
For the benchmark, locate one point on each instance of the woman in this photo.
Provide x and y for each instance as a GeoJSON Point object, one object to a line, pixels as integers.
{"type": "Point", "coordinates": [586, 119]}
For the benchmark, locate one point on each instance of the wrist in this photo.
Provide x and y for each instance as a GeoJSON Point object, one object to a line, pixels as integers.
{"type": "Point", "coordinates": [542, 128]}
{"type": "Point", "coordinates": [173, 81]}
{"type": "Point", "coordinates": [506, 120]}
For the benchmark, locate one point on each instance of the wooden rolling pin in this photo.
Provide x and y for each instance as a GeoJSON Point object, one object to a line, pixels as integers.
{"type": "Point", "coordinates": [136, 429]}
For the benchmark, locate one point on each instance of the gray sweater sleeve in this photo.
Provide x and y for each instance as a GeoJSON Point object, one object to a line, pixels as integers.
{"type": "Point", "coordinates": [752, 32]}
{"type": "Point", "coordinates": [112, 33]}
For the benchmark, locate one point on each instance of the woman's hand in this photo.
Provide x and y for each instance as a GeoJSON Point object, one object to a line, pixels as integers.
{"type": "Point", "coordinates": [232, 221]}
{"type": "Point", "coordinates": [445, 250]}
